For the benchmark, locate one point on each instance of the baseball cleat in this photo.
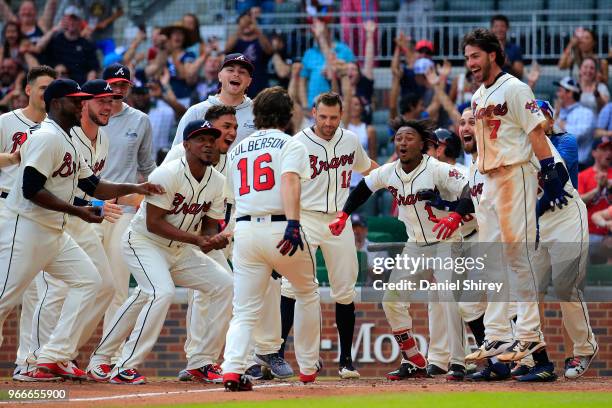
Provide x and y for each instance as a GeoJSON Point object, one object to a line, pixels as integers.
{"type": "Point", "coordinates": [433, 370]}
{"type": "Point", "coordinates": [346, 371]}
{"type": "Point", "coordinates": [406, 370]}
{"type": "Point", "coordinates": [308, 378]}
{"type": "Point", "coordinates": [520, 369]}
{"type": "Point", "coordinates": [63, 369]}
{"type": "Point", "coordinates": [128, 376]}
{"type": "Point", "coordinates": [99, 372]}
{"type": "Point", "coordinates": [210, 373]}
{"type": "Point", "coordinates": [539, 373]}
{"type": "Point", "coordinates": [487, 350]}
{"type": "Point", "coordinates": [36, 376]}
{"type": "Point", "coordinates": [519, 350]}
{"type": "Point", "coordinates": [254, 372]}
{"type": "Point", "coordinates": [277, 365]}
{"type": "Point", "coordinates": [456, 373]}
{"type": "Point", "coordinates": [577, 366]}
{"type": "Point", "coordinates": [492, 372]}
{"type": "Point", "coordinates": [237, 382]}
{"type": "Point", "coordinates": [184, 375]}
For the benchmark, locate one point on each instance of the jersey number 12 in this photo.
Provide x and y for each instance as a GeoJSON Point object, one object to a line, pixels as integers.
{"type": "Point", "coordinates": [263, 177]}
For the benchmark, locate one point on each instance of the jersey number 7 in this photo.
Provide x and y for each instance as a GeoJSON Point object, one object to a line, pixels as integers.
{"type": "Point", "coordinates": [263, 177]}
{"type": "Point", "coordinates": [494, 125]}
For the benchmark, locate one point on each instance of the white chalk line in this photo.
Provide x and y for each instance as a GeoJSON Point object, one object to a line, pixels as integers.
{"type": "Point", "coordinates": [138, 395]}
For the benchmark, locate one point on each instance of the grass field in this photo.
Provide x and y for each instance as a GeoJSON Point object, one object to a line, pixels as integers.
{"type": "Point", "coordinates": [437, 400]}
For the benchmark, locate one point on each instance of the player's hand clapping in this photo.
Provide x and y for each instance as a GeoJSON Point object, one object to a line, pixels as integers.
{"type": "Point", "coordinates": [292, 239]}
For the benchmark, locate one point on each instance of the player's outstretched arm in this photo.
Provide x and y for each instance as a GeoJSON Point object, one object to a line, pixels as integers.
{"type": "Point", "coordinates": [358, 196]}
{"type": "Point", "coordinates": [33, 190]}
{"type": "Point", "coordinates": [105, 190]}
{"type": "Point", "coordinates": [290, 193]}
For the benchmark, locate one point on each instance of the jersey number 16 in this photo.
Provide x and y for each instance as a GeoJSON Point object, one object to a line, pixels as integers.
{"type": "Point", "coordinates": [263, 177]}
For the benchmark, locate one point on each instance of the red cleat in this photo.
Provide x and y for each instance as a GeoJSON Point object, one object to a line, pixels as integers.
{"type": "Point", "coordinates": [237, 382]}
{"type": "Point", "coordinates": [129, 376]}
{"type": "Point", "coordinates": [63, 369]}
{"type": "Point", "coordinates": [210, 373]}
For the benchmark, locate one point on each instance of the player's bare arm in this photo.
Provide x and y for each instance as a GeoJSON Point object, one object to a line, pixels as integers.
{"type": "Point", "coordinates": [33, 190]}
{"type": "Point", "coordinates": [105, 190]}
{"type": "Point", "coordinates": [9, 159]}
{"type": "Point", "coordinates": [373, 165]}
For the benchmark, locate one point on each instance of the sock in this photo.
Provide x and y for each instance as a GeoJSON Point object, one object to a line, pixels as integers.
{"type": "Point", "coordinates": [409, 349]}
{"type": "Point", "coordinates": [478, 330]}
{"type": "Point", "coordinates": [287, 306]}
{"type": "Point", "coordinates": [345, 321]}
{"type": "Point", "coordinates": [540, 357]}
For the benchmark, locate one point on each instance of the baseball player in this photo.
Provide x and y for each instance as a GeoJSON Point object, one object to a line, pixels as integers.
{"type": "Point", "coordinates": [448, 148]}
{"type": "Point", "coordinates": [92, 143]}
{"type": "Point", "coordinates": [166, 245]}
{"type": "Point", "coordinates": [563, 250]}
{"type": "Point", "coordinates": [235, 77]}
{"type": "Point", "coordinates": [203, 344]}
{"type": "Point", "coordinates": [15, 127]}
{"type": "Point", "coordinates": [334, 153]}
{"type": "Point", "coordinates": [264, 173]}
{"type": "Point", "coordinates": [34, 221]}
{"type": "Point", "coordinates": [508, 132]}
{"type": "Point", "coordinates": [406, 178]}
{"type": "Point", "coordinates": [129, 157]}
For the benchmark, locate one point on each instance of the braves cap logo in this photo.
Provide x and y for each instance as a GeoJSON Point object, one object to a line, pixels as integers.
{"type": "Point", "coordinates": [206, 124]}
{"type": "Point", "coordinates": [120, 71]}
{"type": "Point", "coordinates": [108, 88]}
{"type": "Point", "coordinates": [240, 57]}
{"type": "Point", "coordinates": [78, 87]}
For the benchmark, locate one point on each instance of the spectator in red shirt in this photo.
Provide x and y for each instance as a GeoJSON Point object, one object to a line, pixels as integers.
{"type": "Point", "coordinates": [595, 186]}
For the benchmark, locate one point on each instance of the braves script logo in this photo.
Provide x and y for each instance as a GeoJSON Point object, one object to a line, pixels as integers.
{"type": "Point", "coordinates": [476, 191]}
{"type": "Point", "coordinates": [497, 110]}
{"type": "Point", "coordinates": [18, 139]}
{"type": "Point", "coordinates": [455, 173]}
{"type": "Point", "coordinates": [67, 168]}
{"type": "Point", "coordinates": [180, 206]}
{"type": "Point", "coordinates": [97, 168]}
{"type": "Point", "coordinates": [319, 166]}
{"type": "Point", "coordinates": [532, 106]}
{"type": "Point", "coordinates": [410, 199]}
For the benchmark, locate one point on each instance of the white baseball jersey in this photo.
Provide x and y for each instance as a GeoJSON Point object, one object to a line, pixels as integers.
{"type": "Point", "coordinates": [178, 151]}
{"type": "Point", "coordinates": [255, 168]}
{"type": "Point", "coordinates": [244, 117]}
{"type": "Point", "coordinates": [506, 112]}
{"type": "Point", "coordinates": [54, 154]}
{"type": "Point", "coordinates": [331, 165]}
{"type": "Point", "coordinates": [15, 128]}
{"type": "Point", "coordinates": [94, 155]}
{"type": "Point", "coordinates": [476, 180]}
{"type": "Point", "coordinates": [430, 174]}
{"type": "Point", "coordinates": [469, 220]}
{"type": "Point", "coordinates": [186, 199]}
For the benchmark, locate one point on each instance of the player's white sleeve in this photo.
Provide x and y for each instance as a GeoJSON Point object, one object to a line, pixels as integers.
{"type": "Point", "coordinates": [3, 136]}
{"type": "Point", "coordinates": [85, 171]}
{"type": "Point", "coordinates": [189, 116]}
{"type": "Point", "coordinates": [41, 151]}
{"type": "Point", "coordinates": [376, 180]}
{"type": "Point", "coordinates": [449, 179]}
{"type": "Point", "coordinates": [294, 158]}
{"type": "Point", "coordinates": [362, 161]}
{"type": "Point", "coordinates": [176, 152]}
{"type": "Point", "coordinates": [228, 189]}
{"type": "Point", "coordinates": [166, 179]}
{"type": "Point", "coordinates": [217, 208]}
{"type": "Point", "coordinates": [524, 109]}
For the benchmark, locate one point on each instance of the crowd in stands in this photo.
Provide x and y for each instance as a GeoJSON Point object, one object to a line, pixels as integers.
{"type": "Point", "coordinates": [179, 68]}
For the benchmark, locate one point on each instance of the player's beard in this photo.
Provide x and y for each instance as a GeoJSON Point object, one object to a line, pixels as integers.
{"type": "Point", "coordinates": [486, 71]}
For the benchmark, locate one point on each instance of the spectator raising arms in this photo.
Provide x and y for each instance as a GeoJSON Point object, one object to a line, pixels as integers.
{"type": "Point", "coordinates": [362, 80]}
{"type": "Point", "coordinates": [595, 94]}
{"type": "Point", "coordinates": [581, 45]}
{"type": "Point", "coordinates": [251, 42]}
{"type": "Point", "coordinates": [65, 45]}
{"type": "Point", "coordinates": [30, 28]}
{"type": "Point", "coordinates": [513, 53]}
{"type": "Point", "coordinates": [365, 133]}
{"type": "Point", "coordinates": [575, 118]}
{"type": "Point", "coordinates": [317, 59]}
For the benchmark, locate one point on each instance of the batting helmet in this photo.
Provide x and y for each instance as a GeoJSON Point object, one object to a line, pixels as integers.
{"type": "Point", "coordinates": [451, 142]}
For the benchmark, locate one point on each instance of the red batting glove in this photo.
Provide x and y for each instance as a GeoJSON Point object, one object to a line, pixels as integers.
{"type": "Point", "coordinates": [447, 225]}
{"type": "Point", "coordinates": [337, 226]}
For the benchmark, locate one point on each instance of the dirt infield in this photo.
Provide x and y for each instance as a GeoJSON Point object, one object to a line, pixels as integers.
{"type": "Point", "coordinates": [161, 391]}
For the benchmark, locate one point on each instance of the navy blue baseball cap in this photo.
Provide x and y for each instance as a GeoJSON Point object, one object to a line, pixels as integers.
{"type": "Point", "coordinates": [116, 73]}
{"type": "Point", "coordinates": [200, 127]}
{"type": "Point", "coordinates": [238, 59]}
{"type": "Point", "coordinates": [99, 88]}
{"type": "Point", "coordinates": [568, 83]}
{"type": "Point", "coordinates": [64, 87]}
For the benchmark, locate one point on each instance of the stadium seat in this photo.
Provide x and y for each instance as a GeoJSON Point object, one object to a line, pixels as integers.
{"type": "Point", "coordinates": [570, 5]}
{"type": "Point", "coordinates": [389, 225]}
{"type": "Point", "coordinates": [515, 5]}
{"type": "Point", "coordinates": [380, 117]}
{"type": "Point", "coordinates": [470, 5]}
{"type": "Point", "coordinates": [599, 275]}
